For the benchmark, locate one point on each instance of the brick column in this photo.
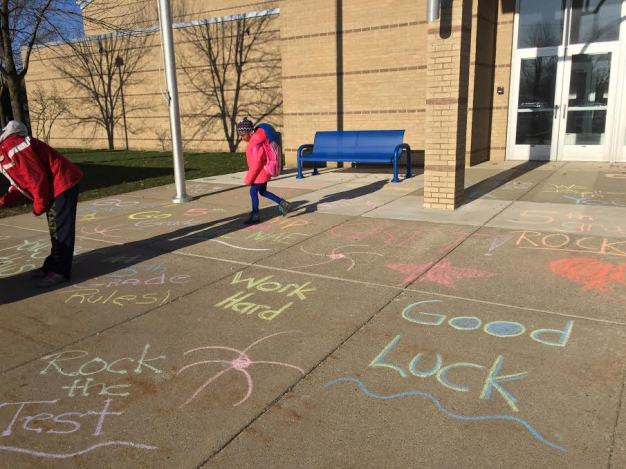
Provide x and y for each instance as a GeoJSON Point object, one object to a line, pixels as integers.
{"type": "Point", "coordinates": [448, 65]}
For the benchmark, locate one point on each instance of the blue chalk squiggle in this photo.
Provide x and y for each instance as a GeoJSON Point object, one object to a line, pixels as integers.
{"type": "Point", "coordinates": [441, 408]}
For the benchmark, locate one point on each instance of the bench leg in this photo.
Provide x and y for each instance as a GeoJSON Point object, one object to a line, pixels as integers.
{"type": "Point", "coordinates": [299, 175]}
{"type": "Point", "coordinates": [395, 171]}
{"type": "Point", "coordinates": [409, 174]}
{"type": "Point", "coordinates": [315, 171]}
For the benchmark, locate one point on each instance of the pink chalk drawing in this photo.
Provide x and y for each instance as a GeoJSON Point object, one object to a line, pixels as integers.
{"type": "Point", "coordinates": [337, 255]}
{"type": "Point", "coordinates": [240, 363]}
{"type": "Point", "coordinates": [443, 273]}
{"type": "Point", "coordinates": [592, 274]}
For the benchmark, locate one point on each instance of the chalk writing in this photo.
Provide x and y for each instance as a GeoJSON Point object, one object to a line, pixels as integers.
{"type": "Point", "coordinates": [282, 238]}
{"type": "Point", "coordinates": [442, 272]}
{"type": "Point", "coordinates": [72, 363]}
{"type": "Point", "coordinates": [162, 279]}
{"type": "Point", "coordinates": [238, 304]}
{"type": "Point", "coordinates": [119, 203]}
{"type": "Point", "coordinates": [25, 256]}
{"type": "Point", "coordinates": [565, 242]}
{"type": "Point", "coordinates": [88, 216]}
{"type": "Point", "coordinates": [559, 221]}
{"type": "Point", "coordinates": [95, 296]}
{"type": "Point", "coordinates": [592, 274]}
{"type": "Point", "coordinates": [341, 253]}
{"type": "Point", "coordinates": [59, 424]}
{"type": "Point", "coordinates": [492, 381]}
{"type": "Point", "coordinates": [240, 364]}
{"type": "Point", "coordinates": [594, 201]}
{"type": "Point", "coordinates": [616, 175]}
{"type": "Point", "coordinates": [389, 234]}
{"type": "Point", "coordinates": [502, 329]}
{"type": "Point", "coordinates": [442, 409]}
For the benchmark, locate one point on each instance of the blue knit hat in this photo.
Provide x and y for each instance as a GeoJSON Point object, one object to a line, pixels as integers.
{"type": "Point", "coordinates": [245, 125]}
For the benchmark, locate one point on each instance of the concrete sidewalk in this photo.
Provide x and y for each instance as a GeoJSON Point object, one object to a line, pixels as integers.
{"type": "Point", "coordinates": [360, 331]}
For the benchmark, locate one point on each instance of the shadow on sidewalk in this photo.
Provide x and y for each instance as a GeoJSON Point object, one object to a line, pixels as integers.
{"type": "Point", "coordinates": [109, 259]}
{"type": "Point", "coordinates": [482, 188]}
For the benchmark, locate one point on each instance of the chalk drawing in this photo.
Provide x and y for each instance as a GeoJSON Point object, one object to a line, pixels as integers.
{"type": "Point", "coordinates": [442, 273]}
{"type": "Point", "coordinates": [616, 175]}
{"type": "Point", "coordinates": [592, 274]}
{"type": "Point", "coordinates": [241, 363]}
{"type": "Point", "coordinates": [496, 242]}
{"type": "Point", "coordinates": [43, 454]}
{"type": "Point", "coordinates": [414, 393]}
{"type": "Point", "coordinates": [238, 247]}
{"type": "Point", "coordinates": [336, 255]}
{"type": "Point", "coordinates": [104, 232]}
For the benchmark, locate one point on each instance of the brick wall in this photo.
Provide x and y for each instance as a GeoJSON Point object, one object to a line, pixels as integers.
{"type": "Point", "coordinates": [448, 77]}
{"type": "Point", "coordinates": [379, 83]}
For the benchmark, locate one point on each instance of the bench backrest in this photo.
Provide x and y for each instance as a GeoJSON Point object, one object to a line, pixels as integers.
{"type": "Point", "coordinates": [361, 144]}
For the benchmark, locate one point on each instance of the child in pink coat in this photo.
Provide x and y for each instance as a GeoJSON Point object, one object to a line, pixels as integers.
{"type": "Point", "coordinates": [256, 177]}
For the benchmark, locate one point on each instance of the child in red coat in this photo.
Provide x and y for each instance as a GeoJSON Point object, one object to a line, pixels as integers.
{"type": "Point", "coordinates": [256, 177]}
{"type": "Point", "coordinates": [41, 174]}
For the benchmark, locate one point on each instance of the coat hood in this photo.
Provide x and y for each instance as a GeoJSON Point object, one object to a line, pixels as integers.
{"type": "Point", "coordinates": [13, 128]}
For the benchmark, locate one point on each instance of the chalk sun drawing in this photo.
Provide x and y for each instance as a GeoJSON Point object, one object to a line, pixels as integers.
{"type": "Point", "coordinates": [336, 255]}
{"type": "Point", "coordinates": [443, 273]}
{"type": "Point", "coordinates": [43, 454]}
{"type": "Point", "coordinates": [104, 232]}
{"type": "Point", "coordinates": [592, 274]}
{"type": "Point", "coordinates": [442, 409]}
{"type": "Point", "coordinates": [241, 363]}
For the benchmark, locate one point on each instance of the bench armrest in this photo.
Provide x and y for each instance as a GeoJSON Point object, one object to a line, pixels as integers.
{"type": "Point", "coordinates": [396, 158]}
{"type": "Point", "coordinates": [400, 148]}
{"type": "Point", "coordinates": [303, 148]}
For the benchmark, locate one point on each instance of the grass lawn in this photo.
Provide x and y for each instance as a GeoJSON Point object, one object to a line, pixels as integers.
{"type": "Point", "coordinates": [108, 173]}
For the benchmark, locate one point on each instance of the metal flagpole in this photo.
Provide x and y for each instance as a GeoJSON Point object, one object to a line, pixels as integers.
{"type": "Point", "coordinates": [167, 39]}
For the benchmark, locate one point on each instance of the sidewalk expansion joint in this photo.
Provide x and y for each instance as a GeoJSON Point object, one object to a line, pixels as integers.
{"type": "Point", "coordinates": [620, 402]}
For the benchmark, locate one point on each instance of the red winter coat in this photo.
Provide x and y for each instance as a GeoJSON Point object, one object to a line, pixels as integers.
{"type": "Point", "coordinates": [36, 171]}
{"type": "Point", "coordinates": [255, 158]}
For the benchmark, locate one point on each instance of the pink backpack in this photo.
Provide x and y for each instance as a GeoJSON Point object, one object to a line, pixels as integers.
{"type": "Point", "coordinates": [272, 158]}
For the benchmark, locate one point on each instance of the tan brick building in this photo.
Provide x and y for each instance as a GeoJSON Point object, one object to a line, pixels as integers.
{"type": "Point", "coordinates": [489, 80]}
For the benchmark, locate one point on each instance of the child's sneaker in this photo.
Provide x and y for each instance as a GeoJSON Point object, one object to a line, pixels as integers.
{"type": "Point", "coordinates": [284, 207]}
{"type": "Point", "coordinates": [253, 219]}
{"type": "Point", "coordinates": [38, 273]}
{"type": "Point", "coordinates": [51, 280]}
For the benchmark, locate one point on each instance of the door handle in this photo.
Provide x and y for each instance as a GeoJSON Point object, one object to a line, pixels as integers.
{"type": "Point", "coordinates": [556, 111]}
{"type": "Point", "coordinates": [564, 110]}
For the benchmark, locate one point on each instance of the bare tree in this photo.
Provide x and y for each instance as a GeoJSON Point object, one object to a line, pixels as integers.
{"type": "Point", "coordinates": [45, 107]}
{"type": "Point", "coordinates": [163, 135]}
{"type": "Point", "coordinates": [103, 67]}
{"type": "Point", "coordinates": [238, 75]}
{"type": "Point", "coordinates": [24, 24]}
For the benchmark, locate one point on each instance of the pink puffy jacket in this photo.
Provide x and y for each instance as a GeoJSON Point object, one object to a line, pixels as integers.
{"type": "Point", "coordinates": [255, 158]}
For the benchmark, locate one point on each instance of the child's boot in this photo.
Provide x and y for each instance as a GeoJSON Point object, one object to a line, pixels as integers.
{"type": "Point", "coordinates": [284, 207]}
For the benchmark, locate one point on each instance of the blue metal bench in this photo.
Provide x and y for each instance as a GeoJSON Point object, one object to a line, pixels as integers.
{"type": "Point", "coordinates": [357, 146]}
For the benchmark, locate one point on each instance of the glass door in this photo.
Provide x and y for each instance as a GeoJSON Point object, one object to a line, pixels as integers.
{"type": "Point", "coordinates": [564, 81]}
{"type": "Point", "coordinates": [587, 107]}
{"type": "Point", "coordinates": [536, 120]}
